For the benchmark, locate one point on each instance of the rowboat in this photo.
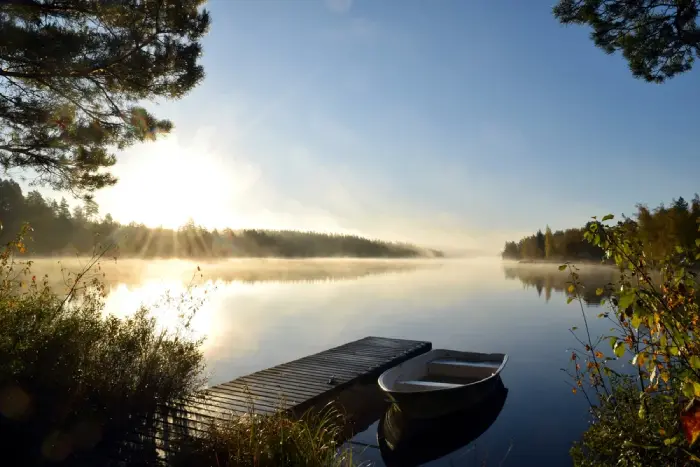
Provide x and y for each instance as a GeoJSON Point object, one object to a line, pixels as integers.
{"type": "Point", "coordinates": [442, 381]}
{"type": "Point", "coordinates": [408, 442]}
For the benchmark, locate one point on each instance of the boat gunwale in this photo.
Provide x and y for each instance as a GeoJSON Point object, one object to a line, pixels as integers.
{"type": "Point", "coordinates": [442, 390]}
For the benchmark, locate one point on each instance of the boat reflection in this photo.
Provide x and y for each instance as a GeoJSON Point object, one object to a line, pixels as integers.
{"type": "Point", "coordinates": [407, 442]}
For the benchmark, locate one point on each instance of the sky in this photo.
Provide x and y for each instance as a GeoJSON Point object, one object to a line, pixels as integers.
{"type": "Point", "coordinates": [448, 123]}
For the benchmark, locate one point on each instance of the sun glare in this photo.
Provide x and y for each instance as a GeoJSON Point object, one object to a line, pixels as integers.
{"type": "Point", "coordinates": [165, 184]}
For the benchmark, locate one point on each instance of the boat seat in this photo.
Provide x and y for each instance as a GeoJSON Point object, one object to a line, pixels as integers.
{"type": "Point", "coordinates": [446, 361]}
{"type": "Point", "coordinates": [428, 384]}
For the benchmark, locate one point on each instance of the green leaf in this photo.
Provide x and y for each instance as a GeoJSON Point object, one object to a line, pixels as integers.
{"type": "Point", "coordinates": [562, 267]}
{"type": "Point", "coordinates": [613, 341]}
{"type": "Point", "coordinates": [599, 291]}
{"type": "Point", "coordinates": [625, 300]}
{"type": "Point", "coordinates": [607, 217]}
{"type": "Point", "coordinates": [574, 328]}
{"type": "Point", "coordinates": [670, 441]}
{"type": "Point", "coordinates": [642, 411]}
{"type": "Point", "coordinates": [673, 350]}
{"type": "Point", "coordinates": [694, 362]}
{"type": "Point", "coordinates": [635, 321]}
{"type": "Point", "coordinates": [688, 390]}
{"type": "Point", "coordinates": [629, 443]}
{"type": "Point", "coordinates": [679, 249]}
{"type": "Point", "coordinates": [691, 456]}
{"type": "Point", "coordinates": [619, 350]}
{"type": "Point", "coordinates": [569, 300]}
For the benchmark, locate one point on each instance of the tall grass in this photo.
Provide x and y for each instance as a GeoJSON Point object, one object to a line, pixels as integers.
{"type": "Point", "coordinates": [313, 440]}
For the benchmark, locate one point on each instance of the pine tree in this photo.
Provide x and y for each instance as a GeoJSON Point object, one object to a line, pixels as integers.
{"type": "Point", "coordinates": [540, 244]}
{"type": "Point", "coordinates": [72, 73]}
{"type": "Point", "coordinates": [659, 40]}
{"type": "Point", "coordinates": [548, 243]}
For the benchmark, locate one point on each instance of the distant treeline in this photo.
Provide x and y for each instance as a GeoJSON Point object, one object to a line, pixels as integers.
{"type": "Point", "coordinates": [58, 230]}
{"type": "Point", "coordinates": [660, 229]}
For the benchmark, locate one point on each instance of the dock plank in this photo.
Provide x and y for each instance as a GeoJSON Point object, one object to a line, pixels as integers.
{"type": "Point", "coordinates": [293, 386]}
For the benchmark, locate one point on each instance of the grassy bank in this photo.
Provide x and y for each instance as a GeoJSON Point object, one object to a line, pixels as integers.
{"type": "Point", "coordinates": [76, 384]}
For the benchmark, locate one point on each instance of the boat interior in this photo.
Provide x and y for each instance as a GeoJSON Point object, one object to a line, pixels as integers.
{"type": "Point", "coordinates": [443, 371]}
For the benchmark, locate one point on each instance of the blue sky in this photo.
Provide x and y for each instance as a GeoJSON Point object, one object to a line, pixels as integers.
{"type": "Point", "coordinates": [451, 123]}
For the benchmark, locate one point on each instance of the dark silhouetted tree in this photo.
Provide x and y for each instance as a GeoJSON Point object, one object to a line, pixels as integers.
{"type": "Point", "coordinates": [660, 230]}
{"type": "Point", "coordinates": [548, 243]}
{"type": "Point", "coordinates": [73, 72]}
{"type": "Point", "coordinates": [58, 231]}
{"type": "Point", "coordinates": [539, 239]}
{"type": "Point", "coordinates": [659, 38]}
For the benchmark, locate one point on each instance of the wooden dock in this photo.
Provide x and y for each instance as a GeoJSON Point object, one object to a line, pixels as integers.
{"type": "Point", "coordinates": [344, 374]}
{"type": "Point", "coordinates": [303, 383]}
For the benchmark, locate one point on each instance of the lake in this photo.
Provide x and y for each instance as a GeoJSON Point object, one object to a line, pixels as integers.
{"type": "Point", "coordinates": [259, 313]}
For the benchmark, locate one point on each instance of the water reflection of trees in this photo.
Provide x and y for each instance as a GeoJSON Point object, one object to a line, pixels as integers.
{"type": "Point", "coordinates": [546, 277]}
{"type": "Point", "coordinates": [134, 273]}
{"type": "Point", "coordinates": [319, 275]}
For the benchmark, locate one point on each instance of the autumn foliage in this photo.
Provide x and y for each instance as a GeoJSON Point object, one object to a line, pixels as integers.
{"type": "Point", "coordinates": [655, 319]}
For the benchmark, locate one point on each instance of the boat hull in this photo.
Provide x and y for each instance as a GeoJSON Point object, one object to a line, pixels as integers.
{"type": "Point", "coordinates": [435, 404]}
{"type": "Point", "coordinates": [407, 441]}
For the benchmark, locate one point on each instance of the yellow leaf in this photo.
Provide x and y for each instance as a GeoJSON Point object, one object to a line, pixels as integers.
{"type": "Point", "coordinates": [665, 376]}
{"type": "Point", "coordinates": [638, 359]}
{"type": "Point", "coordinates": [571, 288]}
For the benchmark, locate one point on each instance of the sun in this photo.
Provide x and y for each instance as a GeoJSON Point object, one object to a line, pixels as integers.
{"type": "Point", "coordinates": [162, 184]}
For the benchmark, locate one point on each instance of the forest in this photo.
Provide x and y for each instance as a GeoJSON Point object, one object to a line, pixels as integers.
{"type": "Point", "coordinates": [59, 230]}
{"type": "Point", "coordinates": [661, 230]}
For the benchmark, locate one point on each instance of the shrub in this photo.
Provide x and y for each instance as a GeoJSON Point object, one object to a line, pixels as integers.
{"type": "Point", "coordinates": [617, 436]}
{"type": "Point", "coordinates": [75, 383]}
{"type": "Point", "coordinates": [650, 416]}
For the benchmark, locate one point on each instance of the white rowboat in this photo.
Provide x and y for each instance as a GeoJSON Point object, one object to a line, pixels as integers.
{"type": "Point", "coordinates": [442, 381]}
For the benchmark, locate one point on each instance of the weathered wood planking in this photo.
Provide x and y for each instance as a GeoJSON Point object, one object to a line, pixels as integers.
{"type": "Point", "coordinates": [300, 384]}
{"type": "Point", "coordinates": [294, 386]}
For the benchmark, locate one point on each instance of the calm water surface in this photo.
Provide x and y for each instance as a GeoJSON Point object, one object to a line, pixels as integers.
{"type": "Point", "coordinates": [259, 314]}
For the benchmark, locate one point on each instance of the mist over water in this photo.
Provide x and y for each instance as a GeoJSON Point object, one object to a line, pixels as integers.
{"type": "Point", "coordinates": [134, 272]}
{"type": "Point", "coordinates": [257, 313]}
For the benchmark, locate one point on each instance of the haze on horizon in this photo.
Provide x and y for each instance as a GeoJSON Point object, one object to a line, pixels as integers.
{"type": "Point", "coordinates": [407, 122]}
